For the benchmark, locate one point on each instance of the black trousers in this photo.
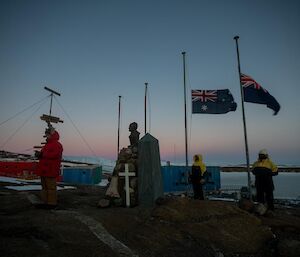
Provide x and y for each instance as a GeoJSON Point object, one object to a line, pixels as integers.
{"type": "Point", "coordinates": [198, 191]}
{"type": "Point", "coordinates": [264, 191]}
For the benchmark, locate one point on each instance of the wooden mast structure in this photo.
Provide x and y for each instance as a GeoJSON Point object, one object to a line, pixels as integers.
{"type": "Point", "coordinates": [49, 118]}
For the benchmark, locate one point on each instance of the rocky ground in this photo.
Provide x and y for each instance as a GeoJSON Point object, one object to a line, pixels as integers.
{"type": "Point", "coordinates": [175, 227]}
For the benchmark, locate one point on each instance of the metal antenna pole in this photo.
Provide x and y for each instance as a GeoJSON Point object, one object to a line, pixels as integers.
{"type": "Point", "coordinates": [185, 119]}
{"type": "Point", "coordinates": [146, 87]}
{"type": "Point", "coordinates": [119, 124]}
{"type": "Point", "coordinates": [244, 118]}
{"type": "Point", "coordinates": [51, 104]}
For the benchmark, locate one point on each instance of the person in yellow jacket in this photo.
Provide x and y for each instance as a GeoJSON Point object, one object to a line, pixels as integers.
{"type": "Point", "coordinates": [197, 176]}
{"type": "Point", "coordinates": [264, 169]}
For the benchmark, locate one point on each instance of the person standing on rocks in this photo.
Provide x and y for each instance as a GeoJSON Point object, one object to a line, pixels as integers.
{"type": "Point", "coordinates": [264, 169]}
{"type": "Point", "coordinates": [197, 176]}
{"type": "Point", "coordinates": [49, 167]}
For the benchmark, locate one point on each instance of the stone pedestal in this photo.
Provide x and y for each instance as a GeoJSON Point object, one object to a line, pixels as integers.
{"type": "Point", "coordinates": [150, 183]}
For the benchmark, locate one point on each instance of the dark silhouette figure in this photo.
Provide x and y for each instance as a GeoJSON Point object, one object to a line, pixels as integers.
{"type": "Point", "coordinates": [264, 169]}
{"type": "Point", "coordinates": [134, 135]}
{"type": "Point", "coordinates": [197, 176]}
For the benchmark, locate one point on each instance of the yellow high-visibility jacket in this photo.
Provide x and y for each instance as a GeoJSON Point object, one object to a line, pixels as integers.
{"type": "Point", "coordinates": [266, 166]}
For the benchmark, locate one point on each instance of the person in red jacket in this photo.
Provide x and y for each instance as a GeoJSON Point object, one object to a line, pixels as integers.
{"type": "Point", "coordinates": [49, 167]}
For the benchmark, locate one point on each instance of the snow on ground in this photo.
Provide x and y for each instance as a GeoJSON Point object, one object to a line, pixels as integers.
{"type": "Point", "coordinates": [103, 183]}
{"type": "Point", "coordinates": [26, 185]}
{"type": "Point", "coordinates": [12, 180]}
{"type": "Point", "coordinates": [35, 187]}
{"type": "Point", "coordinates": [34, 184]}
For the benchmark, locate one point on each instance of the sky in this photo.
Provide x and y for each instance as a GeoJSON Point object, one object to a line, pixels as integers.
{"type": "Point", "coordinates": [91, 52]}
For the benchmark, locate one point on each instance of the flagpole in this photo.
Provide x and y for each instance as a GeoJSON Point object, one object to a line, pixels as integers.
{"type": "Point", "coordinates": [146, 87]}
{"type": "Point", "coordinates": [119, 124]}
{"type": "Point", "coordinates": [185, 120]}
{"type": "Point", "coordinates": [244, 118]}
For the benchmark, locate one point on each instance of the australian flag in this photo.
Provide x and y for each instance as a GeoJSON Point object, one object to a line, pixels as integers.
{"type": "Point", "coordinates": [212, 101]}
{"type": "Point", "coordinates": [255, 93]}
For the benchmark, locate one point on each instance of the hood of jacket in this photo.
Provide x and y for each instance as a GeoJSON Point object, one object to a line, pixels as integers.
{"type": "Point", "coordinates": [54, 137]}
{"type": "Point", "coordinates": [199, 162]}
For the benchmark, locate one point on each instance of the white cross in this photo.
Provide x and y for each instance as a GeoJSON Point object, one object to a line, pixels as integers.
{"type": "Point", "coordinates": [127, 174]}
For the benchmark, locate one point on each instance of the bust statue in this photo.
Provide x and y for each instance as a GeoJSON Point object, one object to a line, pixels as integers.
{"type": "Point", "coordinates": [134, 135]}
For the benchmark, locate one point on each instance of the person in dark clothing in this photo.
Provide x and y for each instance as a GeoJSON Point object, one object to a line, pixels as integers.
{"type": "Point", "coordinates": [197, 176]}
{"type": "Point", "coordinates": [264, 169]}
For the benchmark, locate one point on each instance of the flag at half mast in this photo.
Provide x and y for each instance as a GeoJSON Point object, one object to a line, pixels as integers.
{"type": "Point", "coordinates": [212, 101]}
{"type": "Point", "coordinates": [255, 93]}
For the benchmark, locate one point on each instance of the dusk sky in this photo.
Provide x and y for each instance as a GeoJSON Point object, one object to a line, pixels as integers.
{"type": "Point", "coordinates": [93, 51]}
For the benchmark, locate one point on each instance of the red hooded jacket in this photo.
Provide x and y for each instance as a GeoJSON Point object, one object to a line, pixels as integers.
{"type": "Point", "coordinates": [51, 155]}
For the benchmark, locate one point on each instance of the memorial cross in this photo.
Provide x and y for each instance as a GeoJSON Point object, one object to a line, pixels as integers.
{"type": "Point", "coordinates": [127, 174]}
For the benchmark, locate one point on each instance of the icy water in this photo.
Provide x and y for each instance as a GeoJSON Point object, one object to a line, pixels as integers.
{"type": "Point", "coordinates": [287, 185]}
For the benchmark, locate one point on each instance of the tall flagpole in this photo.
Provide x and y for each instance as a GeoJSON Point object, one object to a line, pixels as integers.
{"type": "Point", "coordinates": [244, 119]}
{"type": "Point", "coordinates": [119, 115]}
{"type": "Point", "coordinates": [185, 122]}
{"type": "Point", "coordinates": [146, 87]}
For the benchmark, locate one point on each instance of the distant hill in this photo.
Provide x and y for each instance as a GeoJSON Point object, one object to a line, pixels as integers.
{"type": "Point", "coordinates": [281, 168]}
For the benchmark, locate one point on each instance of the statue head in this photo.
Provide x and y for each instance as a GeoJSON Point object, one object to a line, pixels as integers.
{"type": "Point", "coordinates": [133, 126]}
{"type": "Point", "coordinates": [134, 135]}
